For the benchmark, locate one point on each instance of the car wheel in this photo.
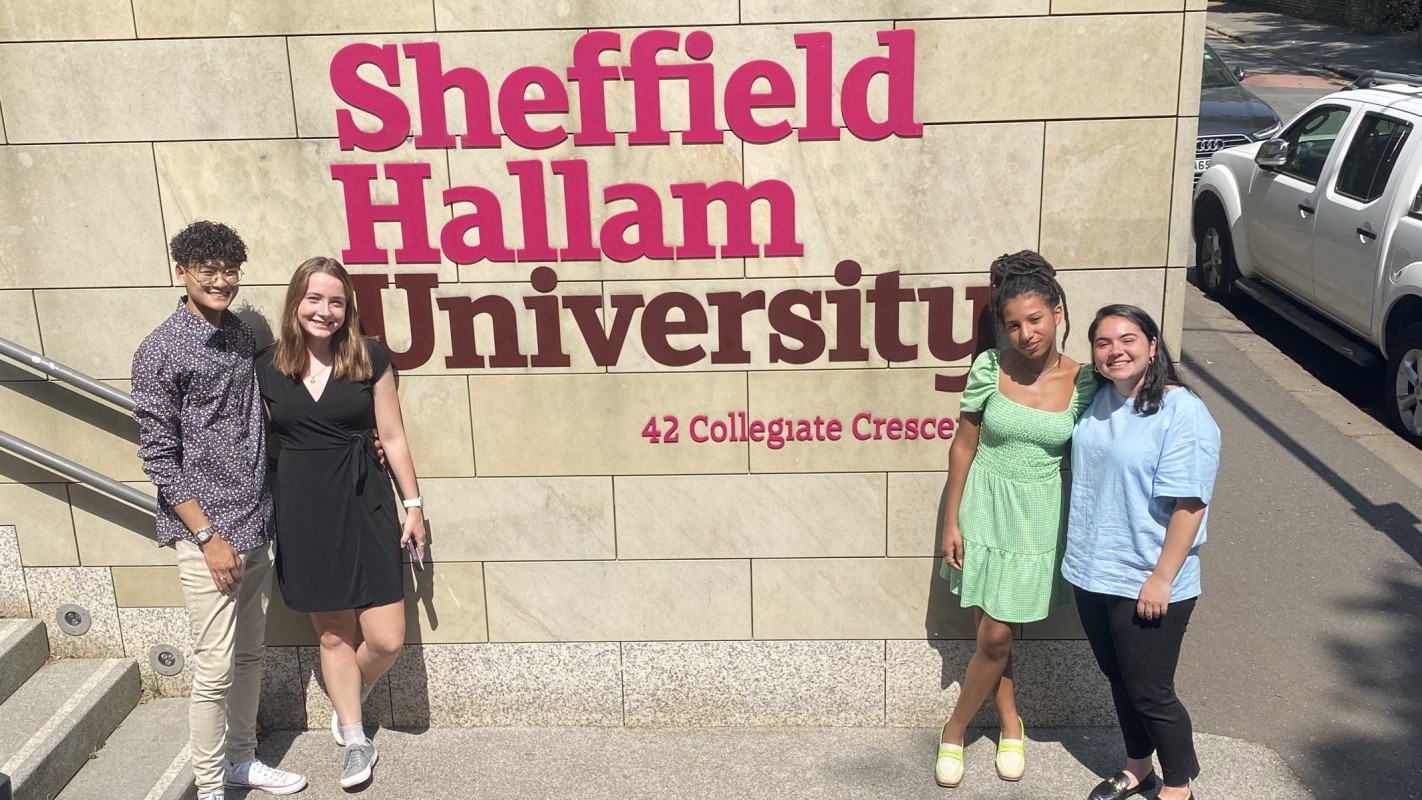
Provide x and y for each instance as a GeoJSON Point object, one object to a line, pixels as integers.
{"type": "Point", "coordinates": [1402, 384]}
{"type": "Point", "coordinates": [1214, 254]}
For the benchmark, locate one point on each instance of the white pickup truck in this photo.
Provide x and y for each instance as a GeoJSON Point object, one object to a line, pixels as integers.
{"type": "Point", "coordinates": [1323, 225]}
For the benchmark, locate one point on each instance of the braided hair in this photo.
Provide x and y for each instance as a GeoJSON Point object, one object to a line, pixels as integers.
{"type": "Point", "coordinates": [1027, 272]}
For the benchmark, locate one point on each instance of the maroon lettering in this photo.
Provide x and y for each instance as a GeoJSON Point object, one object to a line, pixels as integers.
{"type": "Point", "coordinates": [849, 342]}
{"type": "Point", "coordinates": [464, 345]}
{"type": "Point", "coordinates": [419, 303]}
{"type": "Point", "coordinates": [731, 308]}
{"type": "Point", "coordinates": [658, 328]}
{"type": "Point", "coordinates": [886, 296]}
{"type": "Point", "coordinates": [785, 322]}
{"type": "Point", "coordinates": [546, 324]}
{"type": "Point", "coordinates": [605, 346]}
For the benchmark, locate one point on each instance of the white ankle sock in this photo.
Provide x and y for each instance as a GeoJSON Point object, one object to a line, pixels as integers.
{"type": "Point", "coordinates": [354, 733]}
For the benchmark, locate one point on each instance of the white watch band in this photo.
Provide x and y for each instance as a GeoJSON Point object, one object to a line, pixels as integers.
{"type": "Point", "coordinates": [415, 502]}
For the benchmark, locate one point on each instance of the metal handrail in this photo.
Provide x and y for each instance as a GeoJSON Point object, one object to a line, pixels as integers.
{"type": "Point", "coordinates": [56, 462]}
{"type": "Point", "coordinates": [57, 370]}
{"type": "Point", "coordinates": [78, 472]}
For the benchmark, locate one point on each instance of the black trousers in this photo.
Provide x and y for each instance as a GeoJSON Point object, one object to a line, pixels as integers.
{"type": "Point", "coordinates": [1139, 656]}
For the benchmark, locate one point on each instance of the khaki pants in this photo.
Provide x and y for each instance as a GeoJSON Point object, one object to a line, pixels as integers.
{"type": "Point", "coordinates": [229, 635]}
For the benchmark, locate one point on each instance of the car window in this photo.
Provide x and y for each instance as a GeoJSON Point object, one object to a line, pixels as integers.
{"type": "Point", "coordinates": [1371, 156]}
{"type": "Point", "coordinates": [1311, 140]}
{"type": "Point", "coordinates": [1216, 74]}
{"type": "Point", "coordinates": [1417, 203]}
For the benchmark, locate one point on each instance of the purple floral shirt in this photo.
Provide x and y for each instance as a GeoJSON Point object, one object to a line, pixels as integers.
{"type": "Point", "coordinates": [202, 431]}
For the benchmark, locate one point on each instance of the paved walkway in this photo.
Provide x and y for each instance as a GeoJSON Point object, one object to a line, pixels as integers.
{"type": "Point", "coordinates": [1308, 637]}
{"type": "Point", "coordinates": [749, 763]}
{"type": "Point", "coordinates": [1325, 48]}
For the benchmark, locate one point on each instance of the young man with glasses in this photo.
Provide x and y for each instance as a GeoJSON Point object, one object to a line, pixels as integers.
{"type": "Point", "coordinates": [203, 444]}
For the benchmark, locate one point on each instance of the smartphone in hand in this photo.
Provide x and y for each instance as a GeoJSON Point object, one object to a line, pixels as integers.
{"type": "Point", "coordinates": [413, 549]}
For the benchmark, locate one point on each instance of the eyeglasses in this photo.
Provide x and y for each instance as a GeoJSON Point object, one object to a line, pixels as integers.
{"type": "Point", "coordinates": [207, 275]}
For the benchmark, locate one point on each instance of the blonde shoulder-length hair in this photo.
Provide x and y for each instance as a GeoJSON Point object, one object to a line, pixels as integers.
{"type": "Point", "coordinates": [351, 361]}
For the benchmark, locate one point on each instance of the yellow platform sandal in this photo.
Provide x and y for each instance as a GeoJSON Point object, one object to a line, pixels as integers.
{"type": "Point", "coordinates": [1011, 756]}
{"type": "Point", "coordinates": [948, 769]}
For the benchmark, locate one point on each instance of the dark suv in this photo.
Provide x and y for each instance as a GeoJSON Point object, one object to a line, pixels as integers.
{"type": "Point", "coordinates": [1229, 114]}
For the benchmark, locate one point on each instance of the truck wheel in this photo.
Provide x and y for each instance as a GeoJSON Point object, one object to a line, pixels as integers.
{"type": "Point", "coordinates": [1214, 254]}
{"type": "Point", "coordinates": [1402, 384]}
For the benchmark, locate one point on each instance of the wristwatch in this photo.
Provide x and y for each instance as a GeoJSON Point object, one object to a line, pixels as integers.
{"type": "Point", "coordinates": [203, 535]}
{"type": "Point", "coordinates": [414, 502]}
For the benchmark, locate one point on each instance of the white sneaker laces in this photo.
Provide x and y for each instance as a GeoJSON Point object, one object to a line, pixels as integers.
{"type": "Point", "coordinates": [256, 773]}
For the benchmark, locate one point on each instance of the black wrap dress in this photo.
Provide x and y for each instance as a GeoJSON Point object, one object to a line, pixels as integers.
{"type": "Point", "coordinates": [338, 534]}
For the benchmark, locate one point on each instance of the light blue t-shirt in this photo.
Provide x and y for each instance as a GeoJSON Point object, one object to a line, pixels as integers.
{"type": "Point", "coordinates": [1127, 472]}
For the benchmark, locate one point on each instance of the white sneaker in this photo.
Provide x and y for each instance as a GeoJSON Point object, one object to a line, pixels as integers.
{"type": "Point", "coordinates": [217, 795]}
{"type": "Point", "coordinates": [256, 775]}
{"type": "Point", "coordinates": [336, 730]}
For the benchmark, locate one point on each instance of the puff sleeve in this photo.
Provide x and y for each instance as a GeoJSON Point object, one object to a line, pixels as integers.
{"type": "Point", "coordinates": [1086, 386]}
{"type": "Point", "coordinates": [982, 383]}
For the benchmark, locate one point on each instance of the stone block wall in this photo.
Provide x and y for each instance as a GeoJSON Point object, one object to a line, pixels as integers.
{"type": "Point", "coordinates": [581, 574]}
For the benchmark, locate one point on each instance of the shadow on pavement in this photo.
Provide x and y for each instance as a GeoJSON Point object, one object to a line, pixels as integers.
{"type": "Point", "coordinates": [1393, 520]}
{"type": "Point", "coordinates": [1391, 676]}
{"type": "Point", "coordinates": [1362, 387]}
{"type": "Point", "coordinates": [1317, 43]}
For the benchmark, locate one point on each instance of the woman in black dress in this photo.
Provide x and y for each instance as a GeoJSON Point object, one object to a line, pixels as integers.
{"type": "Point", "coordinates": [339, 537]}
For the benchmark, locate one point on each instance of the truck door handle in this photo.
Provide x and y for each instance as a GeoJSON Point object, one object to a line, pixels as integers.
{"type": "Point", "coordinates": [1367, 234]}
{"type": "Point", "coordinates": [1306, 208]}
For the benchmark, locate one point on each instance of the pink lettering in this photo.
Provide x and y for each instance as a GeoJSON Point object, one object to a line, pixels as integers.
{"type": "Point", "coordinates": [362, 212]}
{"type": "Point", "coordinates": [515, 105]}
{"type": "Point", "coordinates": [354, 91]}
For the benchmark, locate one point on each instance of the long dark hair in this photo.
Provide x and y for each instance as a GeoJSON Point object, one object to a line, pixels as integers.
{"type": "Point", "coordinates": [1027, 272]}
{"type": "Point", "coordinates": [1160, 373]}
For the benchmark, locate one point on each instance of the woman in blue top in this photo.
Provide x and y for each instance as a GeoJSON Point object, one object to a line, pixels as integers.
{"type": "Point", "coordinates": [1144, 457]}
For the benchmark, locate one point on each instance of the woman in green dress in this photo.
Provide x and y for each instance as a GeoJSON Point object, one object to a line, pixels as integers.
{"type": "Point", "coordinates": [1003, 524]}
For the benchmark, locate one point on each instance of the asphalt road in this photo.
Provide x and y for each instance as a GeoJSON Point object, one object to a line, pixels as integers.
{"type": "Point", "coordinates": [1262, 70]}
{"type": "Point", "coordinates": [1308, 637]}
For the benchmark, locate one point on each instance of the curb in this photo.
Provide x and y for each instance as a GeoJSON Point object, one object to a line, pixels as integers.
{"type": "Point", "coordinates": [1320, 70]}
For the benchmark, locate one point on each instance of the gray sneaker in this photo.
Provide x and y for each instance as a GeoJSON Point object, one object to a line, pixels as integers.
{"type": "Point", "coordinates": [356, 763]}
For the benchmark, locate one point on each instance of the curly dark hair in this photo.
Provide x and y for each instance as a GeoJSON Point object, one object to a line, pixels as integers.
{"type": "Point", "coordinates": [1027, 272]}
{"type": "Point", "coordinates": [205, 242]}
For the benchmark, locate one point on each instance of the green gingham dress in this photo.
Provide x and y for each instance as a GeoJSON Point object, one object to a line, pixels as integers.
{"type": "Point", "coordinates": [1012, 515]}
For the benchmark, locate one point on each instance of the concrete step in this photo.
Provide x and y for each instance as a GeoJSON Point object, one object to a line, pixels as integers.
{"type": "Point", "coordinates": [63, 713]}
{"type": "Point", "coordinates": [145, 759]}
{"type": "Point", "coordinates": [24, 647]}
